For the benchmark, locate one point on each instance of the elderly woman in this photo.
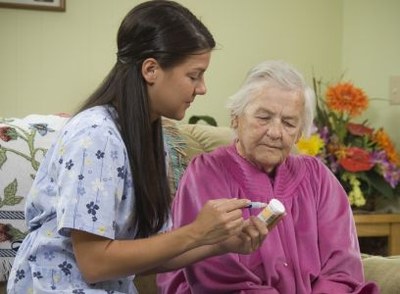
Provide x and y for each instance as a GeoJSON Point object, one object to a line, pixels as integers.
{"type": "Point", "coordinates": [314, 248]}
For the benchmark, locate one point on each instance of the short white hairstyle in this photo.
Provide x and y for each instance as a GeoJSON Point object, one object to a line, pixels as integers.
{"type": "Point", "coordinates": [275, 73]}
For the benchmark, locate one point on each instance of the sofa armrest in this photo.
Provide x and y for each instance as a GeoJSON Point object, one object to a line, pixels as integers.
{"type": "Point", "coordinates": [384, 271]}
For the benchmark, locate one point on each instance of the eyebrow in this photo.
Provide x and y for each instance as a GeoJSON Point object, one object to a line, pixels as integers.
{"type": "Point", "coordinates": [200, 69]}
{"type": "Point", "coordinates": [264, 110]}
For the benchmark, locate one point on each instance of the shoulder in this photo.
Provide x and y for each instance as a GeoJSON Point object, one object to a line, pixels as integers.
{"type": "Point", "coordinates": [306, 170]}
{"type": "Point", "coordinates": [316, 173]}
{"type": "Point", "coordinates": [218, 157]}
{"type": "Point", "coordinates": [93, 131]}
{"type": "Point", "coordinates": [308, 164]}
{"type": "Point", "coordinates": [97, 124]}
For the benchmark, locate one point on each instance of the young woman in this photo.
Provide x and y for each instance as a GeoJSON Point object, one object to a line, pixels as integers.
{"type": "Point", "coordinates": [101, 195]}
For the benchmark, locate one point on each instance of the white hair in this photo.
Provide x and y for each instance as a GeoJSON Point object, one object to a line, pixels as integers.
{"type": "Point", "coordinates": [276, 73]}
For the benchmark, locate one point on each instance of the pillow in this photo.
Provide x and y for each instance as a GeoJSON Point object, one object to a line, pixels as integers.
{"type": "Point", "coordinates": [384, 271]}
{"type": "Point", "coordinates": [23, 144]}
{"type": "Point", "coordinates": [204, 138]}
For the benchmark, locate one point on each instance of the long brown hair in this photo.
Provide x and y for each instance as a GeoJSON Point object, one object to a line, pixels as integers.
{"type": "Point", "coordinates": [169, 33]}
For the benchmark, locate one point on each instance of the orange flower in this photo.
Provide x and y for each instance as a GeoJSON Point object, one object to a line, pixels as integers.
{"type": "Point", "coordinates": [384, 142]}
{"type": "Point", "coordinates": [344, 97]}
{"type": "Point", "coordinates": [339, 151]}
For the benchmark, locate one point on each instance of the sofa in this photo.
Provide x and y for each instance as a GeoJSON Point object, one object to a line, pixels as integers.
{"type": "Point", "coordinates": [24, 142]}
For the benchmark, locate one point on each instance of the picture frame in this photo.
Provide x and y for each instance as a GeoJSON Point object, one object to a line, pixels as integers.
{"type": "Point", "coordinates": [49, 5]}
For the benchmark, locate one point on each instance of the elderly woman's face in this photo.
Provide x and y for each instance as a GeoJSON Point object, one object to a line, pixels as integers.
{"type": "Point", "coordinates": [269, 127]}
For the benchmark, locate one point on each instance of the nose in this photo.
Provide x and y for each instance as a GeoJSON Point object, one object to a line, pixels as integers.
{"type": "Point", "coordinates": [274, 130]}
{"type": "Point", "coordinates": [201, 88]}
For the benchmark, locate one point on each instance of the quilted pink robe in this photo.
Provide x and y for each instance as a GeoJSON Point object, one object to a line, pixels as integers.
{"type": "Point", "coordinates": [314, 249]}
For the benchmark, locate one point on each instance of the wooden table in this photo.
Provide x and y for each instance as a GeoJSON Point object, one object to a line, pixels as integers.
{"type": "Point", "coordinates": [380, 225]}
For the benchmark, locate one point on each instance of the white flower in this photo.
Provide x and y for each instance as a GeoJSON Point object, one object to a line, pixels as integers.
{"type": "Point", "coordinates": [88, 161]}
{"type": "Point", "coordinates": [86, 142]}
{"type": "Point", "coordinates": [72, 175]}
{"type": "Point", "coordinates": [97, 185]}
{"type": "Point", "coordinates": [102, 230]}
{"type": "Point", "coordinates": [48, 233]}
{"type": "Point", "coordinates": [61, 150]}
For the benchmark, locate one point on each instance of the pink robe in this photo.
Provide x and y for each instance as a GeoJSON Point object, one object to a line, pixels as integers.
{"type": "Point", "coordinates": [314, 249]}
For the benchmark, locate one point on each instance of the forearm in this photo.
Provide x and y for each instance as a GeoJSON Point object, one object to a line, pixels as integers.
{"type": "Point", "coordinates": [217, 221]}
{"type": "Point", "coordinates": [250, 239]}
{"type": "Point", "coordinates": [101, 259]}
{"type": "Point", "coordinates": [188, 257]}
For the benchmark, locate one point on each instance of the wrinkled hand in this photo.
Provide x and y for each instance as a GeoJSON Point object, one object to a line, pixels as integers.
{"type": "Point", "coordinates": [218, 220]}
{"type": "Point", "coordinates": [248, 240]}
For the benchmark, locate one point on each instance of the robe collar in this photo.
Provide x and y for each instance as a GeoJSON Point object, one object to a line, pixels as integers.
{"type": "Point", "coordinates": [288, 175]}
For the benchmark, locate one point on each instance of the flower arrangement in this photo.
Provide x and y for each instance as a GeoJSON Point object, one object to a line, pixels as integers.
{"type": "Point", "coordinates": [362, 158]}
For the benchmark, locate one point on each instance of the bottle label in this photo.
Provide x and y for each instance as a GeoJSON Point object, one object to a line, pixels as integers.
{"type": "Point", "coordinates": [269, 217]}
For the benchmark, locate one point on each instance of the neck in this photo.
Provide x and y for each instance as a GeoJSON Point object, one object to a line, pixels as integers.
{"type": "Point", "coordinates": [239, 150]}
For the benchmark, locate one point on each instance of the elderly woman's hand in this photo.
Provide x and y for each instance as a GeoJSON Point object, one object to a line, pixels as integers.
{"type": "Point", "coordinates": [248, 240]}
{"type": "Point", "coordinates": [218, 220]}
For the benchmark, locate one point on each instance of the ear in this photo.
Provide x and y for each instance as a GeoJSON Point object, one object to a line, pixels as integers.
{"type": "Point", "coordinates": [150, 69]}
{"type": "Point", "coordinates": [298, 137]}
{"type": "Point", "coordinates": [234, 122]}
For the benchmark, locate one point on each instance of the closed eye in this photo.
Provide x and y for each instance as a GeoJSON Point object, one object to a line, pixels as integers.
{"type": "Point", "coordinates": [264, 117]}
{"type": "Point", "coordinates": [289, 124]}
{"type": "Point", "coordinates": [196, 76]}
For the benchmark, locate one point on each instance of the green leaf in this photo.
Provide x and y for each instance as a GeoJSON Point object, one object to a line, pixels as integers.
{"type": "Point", "coordinates": [11, 201]}
{"type": "Point", "coordinates": [3, 156]}
{"type": "Point", "coordinates": [16, 234]}
{"type": "Point", "coordinates": [11, 189]}
{"type": "Point", "coordinates": [12, 133]}
{"type": "Point", "coordinates": [378, 183]}
{"type": "Point", "coordinates": [10, 192]}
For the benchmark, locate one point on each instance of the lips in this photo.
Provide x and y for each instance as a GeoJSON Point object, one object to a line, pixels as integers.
{"type": "Point", "coordinates": [272, 146]}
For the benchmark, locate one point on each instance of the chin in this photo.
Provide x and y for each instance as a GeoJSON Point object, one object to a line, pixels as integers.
{"type": "Point", "coordinates": [176, 116]}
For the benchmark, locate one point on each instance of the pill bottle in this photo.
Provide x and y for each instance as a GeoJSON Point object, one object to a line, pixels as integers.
{"type": "Point", "coordinates": [272, 213]}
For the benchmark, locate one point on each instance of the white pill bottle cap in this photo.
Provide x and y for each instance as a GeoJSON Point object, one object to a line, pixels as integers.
{"type": "Point", "coordinates": [276, 206]}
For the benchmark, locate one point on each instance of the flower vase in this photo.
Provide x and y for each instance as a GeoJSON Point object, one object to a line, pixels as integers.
{"type": "Point", "coordinates": [379, 204]}
{"type": "Point", "coordinates": [368, 207]}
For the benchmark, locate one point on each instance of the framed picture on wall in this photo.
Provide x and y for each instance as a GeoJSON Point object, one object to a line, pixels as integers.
{"type": "Point", "coordinates": [52, 5]}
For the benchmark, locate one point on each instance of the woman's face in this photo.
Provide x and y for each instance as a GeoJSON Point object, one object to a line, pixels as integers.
{"type": "Point", "coordinates": [269, 127]}
{"type": "Point", "coordinates": [173, 90]}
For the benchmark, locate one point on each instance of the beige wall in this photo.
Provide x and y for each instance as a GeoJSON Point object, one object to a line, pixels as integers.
{"type": "Point", "coordinates": [371, 54]}
{"type": "Point", "coordinates": [50, 62]}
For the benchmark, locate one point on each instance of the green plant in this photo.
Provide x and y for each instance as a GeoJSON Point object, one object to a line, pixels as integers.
{"type": "Point", "coordinates": [206, 118]}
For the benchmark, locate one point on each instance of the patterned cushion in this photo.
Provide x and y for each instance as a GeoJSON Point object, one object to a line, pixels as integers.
{"type": "Point", "coordinates": [23, 144]}
{"type": "Point", "coordinates": [177, 157]}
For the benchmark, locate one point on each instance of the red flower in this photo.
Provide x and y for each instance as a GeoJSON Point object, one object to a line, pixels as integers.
{"type": "Point", "coordinates": [359, 129]}
{"type": "Point", "coordinates": [7, 134]}
{"type": "Point", "coordinates": [356, 160]}
{"type": "Point", "coordinates": [4, 236]}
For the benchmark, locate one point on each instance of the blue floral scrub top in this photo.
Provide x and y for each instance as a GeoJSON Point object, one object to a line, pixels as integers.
{"type": "Point", "coordinates": [84, 183]}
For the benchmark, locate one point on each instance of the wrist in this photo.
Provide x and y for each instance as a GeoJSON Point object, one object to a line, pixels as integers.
{"type": "Point", "coordinates": [194, 237]}
{"type": "Point", "coordinates": [219, 249]}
